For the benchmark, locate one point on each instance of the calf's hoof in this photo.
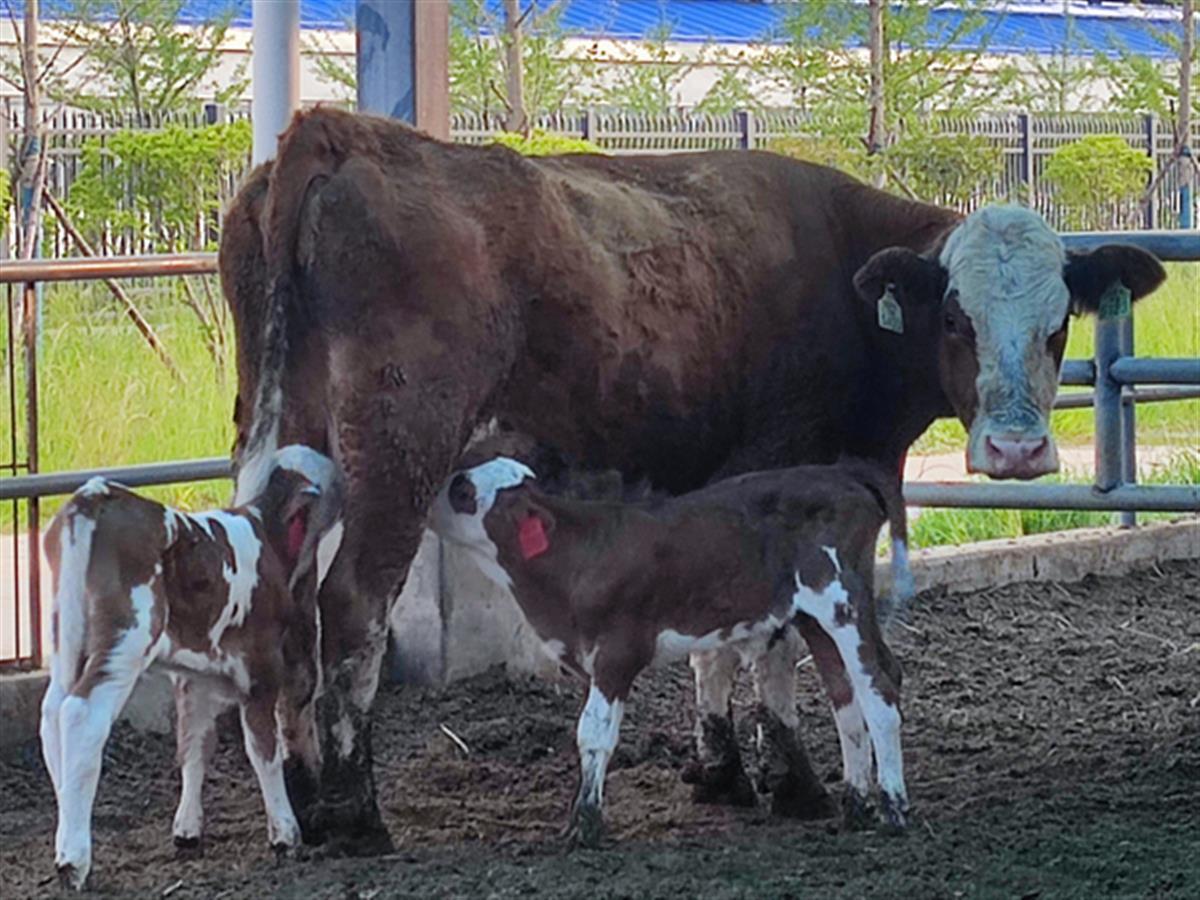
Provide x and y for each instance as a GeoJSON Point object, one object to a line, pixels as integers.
{"type": "Point", "coordinates": [187, 847]}
{"type": "Point", "coordinates": [894, 812]}
{"type": "Point", "coordinates": [856, 811]}
{"type": "Point", "coordinates": [71, 877]}
{"type": "Point", "coordinates": [722, 785]}
{"type": "Point", "coordinates": [793, 799]}
{"type": "Point", "coordinates": [586, 828]}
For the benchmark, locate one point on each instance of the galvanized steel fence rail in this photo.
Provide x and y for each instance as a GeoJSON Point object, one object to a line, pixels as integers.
{"type": "Point", "coordinates": [1112, 371]}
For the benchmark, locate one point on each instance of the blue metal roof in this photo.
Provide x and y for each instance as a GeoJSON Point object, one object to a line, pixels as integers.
{"type": "Point", "coordinates": [1022, 30]}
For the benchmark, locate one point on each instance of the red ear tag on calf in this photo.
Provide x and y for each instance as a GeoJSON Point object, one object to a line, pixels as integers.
{"type": "Point", "coordinates": [532, 537]}
{"type": "Point", "coordinates": [295, 536]}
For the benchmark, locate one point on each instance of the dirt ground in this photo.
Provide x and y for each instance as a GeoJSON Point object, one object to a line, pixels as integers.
{"type": "Point", "coordinates": [1052, 745]}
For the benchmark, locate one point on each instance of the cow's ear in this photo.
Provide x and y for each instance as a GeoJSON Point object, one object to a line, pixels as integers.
{"type": "Point", "coordinates": [914, 279]}
{"type": "Point", "coordinates": [1090, 275]}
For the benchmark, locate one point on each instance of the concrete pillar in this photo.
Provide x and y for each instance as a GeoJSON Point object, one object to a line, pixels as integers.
{"type": "Point", "coordinates": [403, 61]}
{"type": "Point", "coordinates": [275, 72]}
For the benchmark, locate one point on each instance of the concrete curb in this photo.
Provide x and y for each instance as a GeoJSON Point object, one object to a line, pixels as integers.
{"type": "Point", "coordinates": [1058, 556]}
{"type": "Point", "coordinates": [451, 623]}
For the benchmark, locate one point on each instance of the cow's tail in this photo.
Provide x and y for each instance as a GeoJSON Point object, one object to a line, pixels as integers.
{"type": "Point", "coordinates": [886, 489]}
{"type": "Point", "coordinates": [308, 154]}
{"type": "Point", "coordinates": [70, 541]}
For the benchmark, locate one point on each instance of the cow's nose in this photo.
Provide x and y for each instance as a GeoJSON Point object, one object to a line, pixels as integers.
{"type": "Point", "coordinates": [1014, 456]}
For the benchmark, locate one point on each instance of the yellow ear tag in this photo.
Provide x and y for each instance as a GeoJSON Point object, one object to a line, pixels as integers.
{"type": "Point", "coordinates": [891, 317]}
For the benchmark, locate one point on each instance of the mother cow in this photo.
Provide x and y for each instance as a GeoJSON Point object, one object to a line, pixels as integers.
{"type": "Point", "coordinates": [679, 318]}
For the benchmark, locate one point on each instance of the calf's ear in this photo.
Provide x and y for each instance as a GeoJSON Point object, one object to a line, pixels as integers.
{"type": "Point", "coordinates": [1090, 275]}
{"type": "Point", "coordinates": [915, 279]}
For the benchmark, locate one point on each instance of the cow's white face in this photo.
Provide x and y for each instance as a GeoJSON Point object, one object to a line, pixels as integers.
{"type": "Point", "coordinates": [1004, 273]}
{"type": "Point", "coordinates": [992, 309]}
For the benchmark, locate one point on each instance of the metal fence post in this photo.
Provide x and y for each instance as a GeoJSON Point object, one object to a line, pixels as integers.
{"type": "Point", "coordinates": [1107, 405]}
{"type": "Point", "coordinates": [1026, 135]}
{"type": "Point", "coordinates": [1151, 216]}
{"type": "Point", "coordinates": [1128, 418]}
{"type": "Point", "coordinates": [745, 120]}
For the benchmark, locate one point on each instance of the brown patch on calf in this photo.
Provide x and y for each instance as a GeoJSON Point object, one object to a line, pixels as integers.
{"type": "Point", "coordinates": [814, 568]}
{"type": "Point", "coordinates": [461, 495]}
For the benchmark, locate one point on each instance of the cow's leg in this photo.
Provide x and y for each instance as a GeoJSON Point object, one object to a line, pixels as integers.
{"type": "Point", "coordinates": [784, 768]}
{"type": "Point", "coordinates": [847, 616]}
{"type": "Point", "coordinates": [85, 719]}
{"type": "Point", "coordinates": [597, 734]}
{"type": "Point", "coordinates": [420, 331]}
{"type": "Point", "coordinates": [265, 750]}
{"type": "Point", "coordinates": [717, 776]}
{"type": "Point", "coordinates": [851, 727]}
{"type": "Point", "coordinates": [197, 706]}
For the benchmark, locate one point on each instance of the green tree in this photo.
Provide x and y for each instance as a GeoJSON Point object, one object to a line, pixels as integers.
{"type": "Point", "coordinates": [1098, 180]}
{"type": "Point", "coordinates": [823, 67]}
{"type": "Point", "coordinates": [645, 78]}
{"type": "Point", "coordinates": [1142, 84]}
{"type": "Point", "coordinates": [137, 59]}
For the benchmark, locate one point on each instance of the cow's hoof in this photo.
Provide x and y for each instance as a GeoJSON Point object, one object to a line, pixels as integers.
{"type": "Point", "coordinates": [856, 811]}
{"type": "Point", "coordinates": [793, 800]}
{"type": "Point", "coordinates": [722, 785]}
{"type": "Point", "coordinates": [586, 829]}
{"type": "Point", "coordinates": [894, 812]}
{"type": "Point", "coordinates": [365, 840]}
{"type": "Point", "coordinates": [71, 877]}
{"type": "Point", "coordinates": [187, 847]}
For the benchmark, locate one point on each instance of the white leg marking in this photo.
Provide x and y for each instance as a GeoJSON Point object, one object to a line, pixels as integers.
{"type": "Point", "coordinates": [282, 827]}
{"type": "Point", "coordinates": [51, 744]}
{"type": "Point", "coordinates": [597, 735]}
{"type": "Point", "coordinates": [828, 606]}
{"type": "Point", "coordinates": [856, 746]}
{"type": "Point", "coordinates": [84, 724]}
{"type": "Point", "coordinates": [197, 706]}
{"type": "Point", "coordinates": [714, 671]}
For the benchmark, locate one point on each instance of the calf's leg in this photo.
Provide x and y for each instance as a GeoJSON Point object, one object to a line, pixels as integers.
{"type": "Point", "coordinates": [266, 757]}
{"type": "Point", "coordinates": [784, 768]}
{"type": "Point", "coordinates": [844, 611]}
{"type": "Point", "coordinates": [597, 734]}
{"type": "Point", "coordinates": [85, 719]}
{"type": "Point", "coordinates": [717, 775]}
{"type": "Point", "coordinates": [851, 726]}
{"type": "Point", "coordinates": [48, 730]}
{"type": "Point", "coordinates": [197, 706]}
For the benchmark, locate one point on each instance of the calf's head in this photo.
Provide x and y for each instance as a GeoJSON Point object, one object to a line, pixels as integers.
{"type": "Point", "coordinates": [301, 501]}
{"type": "Point", "coordinates": [489, 505]}
{"type": "Point", "coordinates": [998, 296]}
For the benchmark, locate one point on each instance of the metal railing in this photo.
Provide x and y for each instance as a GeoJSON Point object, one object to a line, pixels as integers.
{"type": "Point", "coordinates": [1113, 372]}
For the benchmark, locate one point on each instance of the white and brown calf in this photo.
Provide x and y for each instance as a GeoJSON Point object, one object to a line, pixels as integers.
{"type": "Point", "coordinates": [612, 588]}
{"type": "Point", "coordinates": [224, 601]}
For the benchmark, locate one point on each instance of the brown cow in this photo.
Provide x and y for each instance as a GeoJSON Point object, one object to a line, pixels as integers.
{"type": "Point", "coordinates": [611, 588]}
{"type": "Point", "coordinates": [677, 318]}
{"type": "Point", "coordinates": [224, 601]}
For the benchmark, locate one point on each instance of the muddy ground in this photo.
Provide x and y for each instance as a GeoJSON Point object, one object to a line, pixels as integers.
{"type": "Point", "coordinates": [1052, 743]}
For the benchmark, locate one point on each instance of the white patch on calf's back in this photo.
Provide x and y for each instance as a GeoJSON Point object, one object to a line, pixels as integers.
{"type": "Point", "coordinates": [96, 486]}
{"type": "Point", "coordinates": [242, 576]}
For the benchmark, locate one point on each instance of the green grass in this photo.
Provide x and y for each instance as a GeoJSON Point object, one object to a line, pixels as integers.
{"type": "Point", "coordinates": [938, 527]}
{"type": "Point", "coordinates": [106, 400]}
{"type": "Point", "coordinates": [1167, 323]}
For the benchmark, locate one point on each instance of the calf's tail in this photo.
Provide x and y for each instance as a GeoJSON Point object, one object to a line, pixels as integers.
{"type": "Point", "coordinates": [70, 548]}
